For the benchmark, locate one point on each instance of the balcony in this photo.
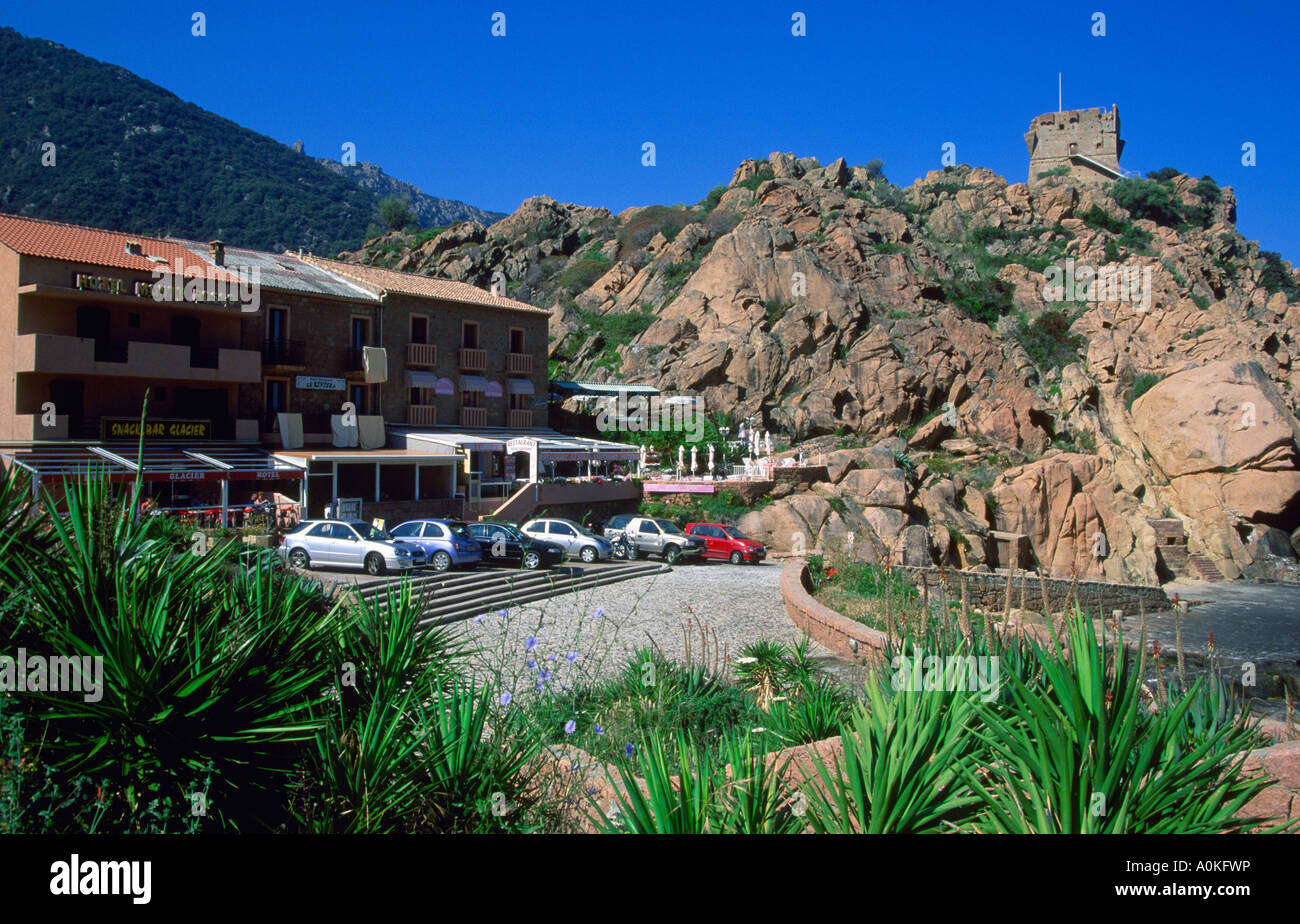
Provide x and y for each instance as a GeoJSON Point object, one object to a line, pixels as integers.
{"type": "Point", "coordinates": [471, 360]}
{"type": "Point", "coordinates": [421, 354]}
{"type": "Point", "coordinates": [519, 363]}
{"type": "Point", "coordinates": [284, 353]}
{"type": "Point", "coordinates": [60, 354]}
{"type": "Point", "coordinates": [423, 415]}
{"type": "Point", "coordinates": [473, 417]}
{"type": "Point", "coordinates": [519, 420]}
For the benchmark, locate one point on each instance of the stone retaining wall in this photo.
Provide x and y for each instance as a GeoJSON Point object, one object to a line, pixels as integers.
{"type": "Point", "coordinates": [848, 638]}
{"type": "Point", "coordinates": [987, 590]}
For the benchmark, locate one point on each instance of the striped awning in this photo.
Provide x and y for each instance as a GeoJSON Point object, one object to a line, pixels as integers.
{"type": "Point", "coordinates": [417, 379]}
{"type": "Point", "coordinates": [473, 383]}
{"type": "Point", "coordinates": [519, 386]}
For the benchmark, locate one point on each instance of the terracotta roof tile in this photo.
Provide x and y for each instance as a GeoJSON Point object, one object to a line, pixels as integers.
{"type": "Point", "coordinates": [425, 286]}
{"type": "Point", "coordinates": [56, 240]}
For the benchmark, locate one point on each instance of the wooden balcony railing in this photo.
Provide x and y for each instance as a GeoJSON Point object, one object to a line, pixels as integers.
{"type": "Point", "coordinates": [473, 417]}
{"type": "Point", "coordinates": [519, 363]}
{"type": "Point", "coordinates": [421, 354]}
{"type": "Point", "coordinates": [422, 415]}
{"type": "Point", "coordinates": [472, 360]}
{"type": "Point", "coordinates": [519, 419]}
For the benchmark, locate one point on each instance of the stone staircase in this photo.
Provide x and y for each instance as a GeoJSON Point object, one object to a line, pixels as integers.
{"type": "Point", "coordinates": [1200, 566]}
{"type": "Point", "coordinates": [446, 598]}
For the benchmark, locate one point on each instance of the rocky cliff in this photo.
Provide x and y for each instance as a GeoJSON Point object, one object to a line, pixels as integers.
{"type": "Point", "coordinates": [1062, 364]}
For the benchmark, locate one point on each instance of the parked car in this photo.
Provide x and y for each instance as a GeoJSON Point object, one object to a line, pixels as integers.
{"type": "Point", "coordinates": [577, 541]}
{"type": "Point", "coordinates": [656, 536]}
{"type": "Point", "coordinates": [503, 542]}
{"type": "Point", "coordinates": [727, 542]}
{"type": "Point", "coordinates": [348, 544]}
{"type": "Point", "coordinates": [445, 542]}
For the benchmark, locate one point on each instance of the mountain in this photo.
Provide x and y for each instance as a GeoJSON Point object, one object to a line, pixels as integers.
{"type": "Point", "coordinates": [939, 346]}
{"type": "Point", "coordinates": [430, 211]}
{"type": "Point", "coordinates": [129, 155]}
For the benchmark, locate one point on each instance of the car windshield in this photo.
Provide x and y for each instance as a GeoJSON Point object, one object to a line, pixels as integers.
{"type": "Point", "coordinates": [460, 529]}
{"type": "Point", "coordinates": [367, 531]}
{"type": "Point", "coordinates": [492, 529]}
{"type": "Point", "coordinates": [669, 527]}
{"type": "Point", "coordinates": [734, 533]}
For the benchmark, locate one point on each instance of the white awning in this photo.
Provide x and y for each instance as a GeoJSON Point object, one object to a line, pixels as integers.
{"type": "Point", "coordinates": [519, 386]}
{"type": "Point", "coordinates": [416, 379]}
{"type": "Point", "coordinates": [473, 383]}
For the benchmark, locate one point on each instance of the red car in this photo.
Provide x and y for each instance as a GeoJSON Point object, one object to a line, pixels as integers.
{"type": "Point", "coordinates": [727, 542]}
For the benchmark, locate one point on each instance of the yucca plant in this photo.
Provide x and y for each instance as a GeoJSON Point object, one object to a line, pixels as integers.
{"type": "Point", "coordinates": [690, 789]}
{"type": "Point", "coordinates": [1081, 755]}
{"type": "Point", "coordinates": [814, 710]}
{"type": "Point", "coordinates": [202, 677]}
{"type": "Point", "coordinates": [901, 770]}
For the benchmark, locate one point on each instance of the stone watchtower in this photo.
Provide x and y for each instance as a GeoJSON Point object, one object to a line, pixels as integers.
{"type": "Point", "coordinates": [1084, 140]}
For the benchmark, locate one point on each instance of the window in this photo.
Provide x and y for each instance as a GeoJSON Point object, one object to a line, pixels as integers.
{"type": "Point", "coordinates": [516, 340]}
{"type": "Point", "coordinates": [277, 325]}
{"type": "Point", "coordinates": [321, 530]}
{"type": "Point", "coordinates": [419, 328]}
{"type": "Point", "coordinates": [133, 319]}
{"type": "Point", "coordinates": [562, 529]}
{"type": "Point", "coordinates": [649, 528]}
{"type": "Point", "coordinates": [434, 531]}
{"type": "Point", "coordinates": [469, 335]}
{"type": "Point", "coordinates": [406, 529]}
{"type": "Point", "coordinates": [518, 402]}
{"type": "Point", "coordinates": [421, 396]}
{"type": "Point", "coordinates": [277, 395]}
{"type": "Point", "coordinates": [360, 332]}
{"type": "Point", "coordinates": [471, 399]}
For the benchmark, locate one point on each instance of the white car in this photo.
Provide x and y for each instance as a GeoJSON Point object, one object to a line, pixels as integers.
{"type": "Point", "coordinates": [348, 544]}
{"type": "Point", "coordinates": [577, 542]}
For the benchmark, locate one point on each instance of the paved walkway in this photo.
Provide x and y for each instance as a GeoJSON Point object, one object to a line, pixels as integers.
{"type": "Point", "coordinates": [733, 605]}
{"type": "Point", "coordinates": [1249, 621]}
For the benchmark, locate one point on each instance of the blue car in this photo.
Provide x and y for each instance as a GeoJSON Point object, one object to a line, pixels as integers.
{"type": "Point", "coordinates": [446, 542]}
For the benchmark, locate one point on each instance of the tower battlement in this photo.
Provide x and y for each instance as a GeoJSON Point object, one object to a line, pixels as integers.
{"type": "Point", "coordinates": [1086, 141]}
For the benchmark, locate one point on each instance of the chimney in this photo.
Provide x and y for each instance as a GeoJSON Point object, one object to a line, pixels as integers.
{"type": "Point", "coordinates": [217, 252]}
{"type": "Point", "coordinates": [134, 248]}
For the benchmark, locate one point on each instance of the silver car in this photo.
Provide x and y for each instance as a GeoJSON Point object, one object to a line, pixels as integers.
{"type": "Point", "coordinates": [348, 544]}
{"type": "Point", "coordinates": [577, 542]}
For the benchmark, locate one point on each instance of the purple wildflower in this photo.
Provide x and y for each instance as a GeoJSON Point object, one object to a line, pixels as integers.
{"type": "Point", "coordinates": [629, 750]}
{"type": "Point", "coordinates": [506, 697]}
{"type": "Point", "coordinates": [570, 727]}
{"type": "Point", "coordinates": [571, 657]}
{"type": "Point", "coordinates": [531, 643]}
{"type": "Point", "coordinates": [598, 730]}
{"type": "Point", "coordinates": [544, 676]}
{"type": "Point", "coordinates": [600, 611]}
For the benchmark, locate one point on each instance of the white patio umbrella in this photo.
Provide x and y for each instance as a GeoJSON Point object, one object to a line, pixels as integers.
{"type": "Point", "coordinates": [711, 447]}
{"type": "Point", "coordinates": [767, 441]}
{"type": "Point", "coordinates": [740, 434]}
{"type": "Point", "coordinates": [641, 463]}
{"type": "Point", "coordinates": [695, 461]}
{"type": "Point", "coordinates": [681, 458]}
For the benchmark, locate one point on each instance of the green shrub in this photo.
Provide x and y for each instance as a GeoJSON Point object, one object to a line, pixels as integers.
{"type": "Point", "coordinates": [979, 299]}
{"type": "Point", "coordinates": [1048, 340]}
{"type": "Point", "coordinates": [1141, 385]}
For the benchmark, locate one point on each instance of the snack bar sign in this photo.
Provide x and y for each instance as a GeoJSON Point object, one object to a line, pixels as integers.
{"type": "Point", "coordinates": [128, 428]}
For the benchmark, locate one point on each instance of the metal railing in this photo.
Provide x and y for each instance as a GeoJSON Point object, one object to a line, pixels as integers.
{"type": "Point", "coordinates": [284, 352]}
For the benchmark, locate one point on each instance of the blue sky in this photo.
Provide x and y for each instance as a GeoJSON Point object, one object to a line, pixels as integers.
{"type": "Point", "coordinates": [562, 104]}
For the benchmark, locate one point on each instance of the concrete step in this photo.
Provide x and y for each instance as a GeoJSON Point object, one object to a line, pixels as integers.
{"type": "Point", "coordinates": [1201, 566]}
{"type": "Point", "coordinates": [449, 597]}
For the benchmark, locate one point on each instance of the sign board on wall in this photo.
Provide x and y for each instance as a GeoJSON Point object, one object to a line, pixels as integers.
{"type": "Point", "coordinates": [128, 428]}
{"type": "Point", "coordinates": [320, 383]}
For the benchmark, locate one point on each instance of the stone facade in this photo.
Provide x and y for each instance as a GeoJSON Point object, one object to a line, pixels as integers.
{"type": "Point", "coordinates": [1060, 139]}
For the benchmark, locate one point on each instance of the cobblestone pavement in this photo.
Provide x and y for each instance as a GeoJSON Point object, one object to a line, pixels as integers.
{"type": "Point", "coordinates": [734, 605]}
{"type": "Point", "coordinates": [1249, 621]}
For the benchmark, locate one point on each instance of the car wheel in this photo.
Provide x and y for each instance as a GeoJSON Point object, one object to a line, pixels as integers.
{"type": "Point", "coordinates": [298, 558]}
{"type": "Point", "coordinates": [736, 558]}
{"type": "Point", "coordinates": [588, 555]}
{"type": "Point", "coordinates": [532, 561]}
{"type": "Point", "coordinates": [672, 553]}
{"type": "Point", "coordinates": [441, 561]}
{"type": "Point", "coordinates": [374, 563]}
{"type": "Point", "coordinates": [631, 550]}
